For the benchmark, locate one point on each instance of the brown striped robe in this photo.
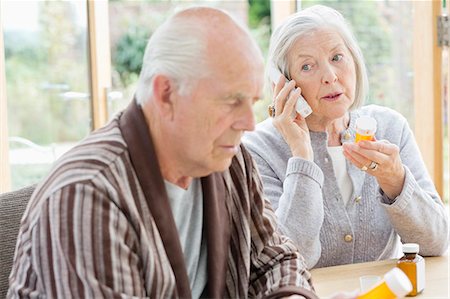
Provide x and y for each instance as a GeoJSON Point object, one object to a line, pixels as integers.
{"type": "Point", "coordinates": [100, 226]}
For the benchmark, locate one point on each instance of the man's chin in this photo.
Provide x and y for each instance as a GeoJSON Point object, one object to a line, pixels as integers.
{"type": "Point", "coordinates": [223, 165]}
{"type": "Point", "coordinates": [217, 165]}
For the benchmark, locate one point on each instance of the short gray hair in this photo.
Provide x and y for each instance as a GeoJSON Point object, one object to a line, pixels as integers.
{"type": "Point", "coordinates": [176, 49]}
{"type": "Point", "coordinates": [306, 21]}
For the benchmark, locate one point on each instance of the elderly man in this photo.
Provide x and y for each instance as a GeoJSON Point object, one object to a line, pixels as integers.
{"type": "Point", "coordinates": [164, 201]}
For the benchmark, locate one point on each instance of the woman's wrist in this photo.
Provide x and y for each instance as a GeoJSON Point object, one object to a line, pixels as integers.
{"type": "Point", "coordinates": [304, 153]}
{"type": "Point", "coordinates": [392, 187]}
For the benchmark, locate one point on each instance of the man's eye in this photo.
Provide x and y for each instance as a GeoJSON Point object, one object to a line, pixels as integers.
{"type": "Point", "coordinates": [235, 102]}
{"type": "Point", "coordinates": [337, 57]}
{"type": "Point", "coordinates": [306, 67]}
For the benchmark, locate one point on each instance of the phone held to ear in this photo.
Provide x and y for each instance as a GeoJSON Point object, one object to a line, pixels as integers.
{"type": "Point", "coordinates": [302, 106]}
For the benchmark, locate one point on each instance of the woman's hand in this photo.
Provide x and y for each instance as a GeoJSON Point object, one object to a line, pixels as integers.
{"type": "Point", "coordinates": [289, 123]}
{"type": "Point", "coordinates": [380, 159]}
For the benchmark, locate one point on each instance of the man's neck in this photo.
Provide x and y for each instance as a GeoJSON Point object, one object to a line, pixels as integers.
{"type": "Point", "coordinates": [182, 182]}
{"type": "Point", "coordinates": [171, 169]}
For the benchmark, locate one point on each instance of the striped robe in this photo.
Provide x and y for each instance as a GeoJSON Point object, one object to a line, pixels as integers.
{"type": "Point", "coordinates": [100, 226]}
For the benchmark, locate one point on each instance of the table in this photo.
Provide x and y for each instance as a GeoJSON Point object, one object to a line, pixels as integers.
{"type": "Point", "coordinates": [329, 280]}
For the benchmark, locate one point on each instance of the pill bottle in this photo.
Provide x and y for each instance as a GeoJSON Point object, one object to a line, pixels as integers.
{"type": "Point", "coordinates": [366, 127]}
{"type": "Point", "coordinates": [395, 284]}
{"type": "Point", "coordinates": [414, 267]}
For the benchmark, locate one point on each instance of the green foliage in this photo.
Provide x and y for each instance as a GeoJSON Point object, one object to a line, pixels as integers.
{"type": "Point", "coordinates": [258, 12]}
{"type": "Point", "coordinates": [128, 54]}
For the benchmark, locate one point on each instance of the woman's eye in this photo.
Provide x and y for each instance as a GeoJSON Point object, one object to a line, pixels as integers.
{"type": "Point", "coordinates": [337, 57]}
{"type": "Point", "coordinates": [306, 67]}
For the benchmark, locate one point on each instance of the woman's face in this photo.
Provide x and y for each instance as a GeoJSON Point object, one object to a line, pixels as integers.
{"type": "Point", "coordinates": [322, 66]}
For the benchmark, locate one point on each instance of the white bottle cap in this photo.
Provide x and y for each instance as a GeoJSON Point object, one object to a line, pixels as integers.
{"type": "Point", "coordinates": [366, 125]}
{"type": "Point", "coordinates": [398, 282]}
{"type": "Point", "coordinates": [410, 248]}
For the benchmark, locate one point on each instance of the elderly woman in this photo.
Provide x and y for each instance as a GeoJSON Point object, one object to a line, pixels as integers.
{"type": "Point", "coordinates": [340, 201]}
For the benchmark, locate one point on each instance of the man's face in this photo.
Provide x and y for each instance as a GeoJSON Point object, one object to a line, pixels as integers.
{"type": "Point", "coordinates": [208, 122]}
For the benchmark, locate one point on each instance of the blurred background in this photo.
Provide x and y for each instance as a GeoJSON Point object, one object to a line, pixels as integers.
{"type": "Point", "coordinates": [69, 66]}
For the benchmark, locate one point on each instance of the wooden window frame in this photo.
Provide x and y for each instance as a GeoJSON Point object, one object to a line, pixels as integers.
{"type": "Point", "coordinates": [100, 60]}
{"type": "Point", "coordinates": [428, 103]}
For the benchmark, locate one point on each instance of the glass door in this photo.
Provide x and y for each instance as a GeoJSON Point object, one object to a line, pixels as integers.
{"type": "Point", "coordinates": [47, 83]}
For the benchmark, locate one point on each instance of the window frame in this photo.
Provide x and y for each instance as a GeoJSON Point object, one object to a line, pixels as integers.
{"type": "Point", "coordinates": [428, 101]}
{"type": "Point", "coordinates": [100, 60]}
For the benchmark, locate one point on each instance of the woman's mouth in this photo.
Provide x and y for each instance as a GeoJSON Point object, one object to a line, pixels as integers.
{"type": "Point", "coordinates": [331, 97]}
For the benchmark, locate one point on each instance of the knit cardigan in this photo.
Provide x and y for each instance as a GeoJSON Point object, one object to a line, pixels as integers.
{"type": "Point", "coordinates": [311, 211]}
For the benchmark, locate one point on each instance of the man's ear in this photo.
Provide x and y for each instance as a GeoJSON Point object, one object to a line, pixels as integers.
{"type": "Point", "coordinates": [163, 92]}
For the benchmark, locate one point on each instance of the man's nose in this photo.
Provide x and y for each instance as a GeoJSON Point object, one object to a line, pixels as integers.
{"type": "Point", "coordinates": [246, 119]}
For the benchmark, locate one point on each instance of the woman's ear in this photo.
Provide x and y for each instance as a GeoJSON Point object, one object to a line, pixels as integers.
{"type": "Point", "coordinates": [163, 89]}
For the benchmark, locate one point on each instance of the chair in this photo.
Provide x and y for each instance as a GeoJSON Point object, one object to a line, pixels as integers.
{"type": "Point", "coordinates": [12, 207]}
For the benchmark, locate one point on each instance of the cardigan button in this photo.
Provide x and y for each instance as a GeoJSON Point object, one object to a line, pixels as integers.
{"type": "Point", "coordinates": [347, 135]}
{"type": "Point", "coordinates": [358, 198]}
{"type": "Point", "coordinates": [348, 238]}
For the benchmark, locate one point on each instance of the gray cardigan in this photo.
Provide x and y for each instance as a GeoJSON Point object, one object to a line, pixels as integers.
{"type": "Point", "coordinates": [311, 211]}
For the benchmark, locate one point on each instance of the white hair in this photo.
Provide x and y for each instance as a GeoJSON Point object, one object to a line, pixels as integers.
{"type": "Point", "coordinates": [176, 49]}
{"type": "Point", "coordinates": [311, 19]}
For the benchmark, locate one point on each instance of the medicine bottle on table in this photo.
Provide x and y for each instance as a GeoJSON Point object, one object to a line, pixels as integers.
{"type": "Point", "coordinates": [414, 267]}
{"type": "Point", "coordinates": [395, 284]}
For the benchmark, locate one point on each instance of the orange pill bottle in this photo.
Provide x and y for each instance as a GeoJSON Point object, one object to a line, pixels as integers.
{"type": "Point", "coordinates": [395, 284]}
{"type": "Point", "coordinates": [366, 127]}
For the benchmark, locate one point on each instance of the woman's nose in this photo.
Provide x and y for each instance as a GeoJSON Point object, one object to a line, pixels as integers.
{"type": "Point", "coordinates": [329, 75]}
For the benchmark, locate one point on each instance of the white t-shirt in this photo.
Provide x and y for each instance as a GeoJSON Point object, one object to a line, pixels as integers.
{"type": "Point", "coordinates": [187, 209]}
{"type": "Point", "coordinates": [340, 170]}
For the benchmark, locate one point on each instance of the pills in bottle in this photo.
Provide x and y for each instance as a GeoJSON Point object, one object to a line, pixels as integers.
{"type": "Point", "coordinates": [366, 127]}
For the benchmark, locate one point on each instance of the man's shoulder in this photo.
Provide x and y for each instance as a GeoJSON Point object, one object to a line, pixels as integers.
{"type": "Point", "coordinates": [96, 155]}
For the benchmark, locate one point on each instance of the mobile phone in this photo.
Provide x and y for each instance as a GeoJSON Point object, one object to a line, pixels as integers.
{"type": "Point", "coordinates": [301, 106]}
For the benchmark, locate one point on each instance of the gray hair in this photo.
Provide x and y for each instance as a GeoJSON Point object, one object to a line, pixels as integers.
{"type": "Point", "coordinates": [176, 49]}
{"type": "Point", "coordinates": [306, 21]}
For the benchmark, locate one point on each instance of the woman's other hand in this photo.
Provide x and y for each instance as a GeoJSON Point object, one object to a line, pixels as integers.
{"type": "Point", "coordinates": [288, 122]}
{"type": "Point", "coordinates": [380, 159]}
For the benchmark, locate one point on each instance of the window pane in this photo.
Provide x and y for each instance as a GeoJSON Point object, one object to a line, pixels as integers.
{"type": "Point", "coordinates": [47, 82]}
{"type": "Point", "coordinates": [384, 32]}
{"type": "Point", "coordinates": [131, 24]}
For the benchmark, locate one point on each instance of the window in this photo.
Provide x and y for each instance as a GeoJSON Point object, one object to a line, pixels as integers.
{"type": "Point", "coordinates": [131, 25]}
{"type": "Point", "coordinates": [47, 83]}
{"type": "Point", "coordinates": [57, 92]}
